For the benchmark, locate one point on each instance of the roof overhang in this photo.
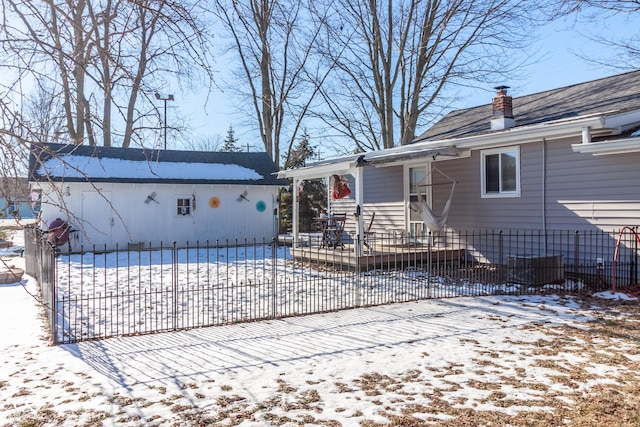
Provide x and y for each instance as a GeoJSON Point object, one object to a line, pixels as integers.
{"type": "Point", "coordinates": [601, 124]}
{"type": "Point", "coordinates": [533, 133]}
{"type": "Point", "coordinates": [338, 166]}
{"type": "Point", "coordinates": [347, 165]}
{"type": "Point", "coordinates": [602, 148]}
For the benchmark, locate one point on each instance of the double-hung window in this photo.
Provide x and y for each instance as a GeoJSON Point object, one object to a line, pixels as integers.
{"type": "Point", "coordinates": [501, 172]}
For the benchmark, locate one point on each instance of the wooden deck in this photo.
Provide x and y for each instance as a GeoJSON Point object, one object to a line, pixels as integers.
{"type": "Point", "coordinates": [385, 257]}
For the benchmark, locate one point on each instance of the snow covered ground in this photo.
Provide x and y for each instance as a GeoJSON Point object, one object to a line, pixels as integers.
{"type": "Point", "coordinates": [457, 361]}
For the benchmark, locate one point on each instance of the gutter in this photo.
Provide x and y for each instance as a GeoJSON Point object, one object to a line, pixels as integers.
{"type": "Point", "coordinates": [603, 148]}
{"type": "Point", "coordinates": [521, 135]}
{"type": "Point", "coordinates": [601, 124]}
{"type": "Point", "coordinates": [340, 167]}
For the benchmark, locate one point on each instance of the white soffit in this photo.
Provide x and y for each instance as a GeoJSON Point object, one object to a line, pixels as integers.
{"type": "Point", "coordinates": [626, 120]}
{"type": "Point", "coordinates": [409, 152]}
{"type": "Point", "coordinates": [347, 165]}
{"type": "Point", "coordinates": [602, 148]}
{"type": "Point", "coordinates": [320, 170]}
{"type": "Point", "coordinates": [534, 133]}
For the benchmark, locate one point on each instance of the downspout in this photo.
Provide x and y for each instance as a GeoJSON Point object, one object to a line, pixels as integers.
{"type": "Point", "coordinates": [586, 135]}
{"type": "Point", "coordinates": [544, 195]}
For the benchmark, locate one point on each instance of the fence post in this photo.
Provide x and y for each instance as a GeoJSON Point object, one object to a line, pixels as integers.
{"type": "Point", "coordinates": [576, 250]}
{"type": "Point", "coordinates": [430, 267]}
{"type": "Point", "coordinates": [174, 283]}
{"type": "Point", "coordinates": [633, 265]}
{"type": "Point", "coordinates": [53, 301]}
{"type": "Point", "coordinates": [274, 275]}
{"type": "Point", "coordinates": [358, 282]}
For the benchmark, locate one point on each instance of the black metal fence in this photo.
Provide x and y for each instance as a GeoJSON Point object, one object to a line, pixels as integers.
{"type": "Point", "coordinates": [99, 294]}
{"type": "Point", "coordinates": [41, 264]}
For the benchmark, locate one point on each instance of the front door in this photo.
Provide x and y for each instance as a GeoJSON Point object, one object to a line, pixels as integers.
{"type": "Point", "coordinates": [417, 180]}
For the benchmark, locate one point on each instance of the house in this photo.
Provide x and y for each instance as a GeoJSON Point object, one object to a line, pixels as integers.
{"type": "Point", "coordinates": [563, 159]}
{"type": "Point", "coordinates": [16, 201]}
{"type": "Point", "coordinates": [140, 197]}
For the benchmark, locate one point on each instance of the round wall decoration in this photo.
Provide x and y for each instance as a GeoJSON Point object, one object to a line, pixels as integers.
{"type": "Point", "coordinates": [214, 202]}
{"type": "Point", "coordinates": [261, 206]}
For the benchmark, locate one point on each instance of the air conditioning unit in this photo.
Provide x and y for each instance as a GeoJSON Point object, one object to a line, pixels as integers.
{"type": "Point", "coordinates": [535, 270]}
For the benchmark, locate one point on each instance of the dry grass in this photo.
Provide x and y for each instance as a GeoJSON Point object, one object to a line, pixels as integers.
{"type": "Point", "coordinates": [561, 384]}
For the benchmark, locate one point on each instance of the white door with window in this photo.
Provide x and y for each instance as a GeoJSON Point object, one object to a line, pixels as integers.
{"type": "Point", "coordinates": [417, 179]}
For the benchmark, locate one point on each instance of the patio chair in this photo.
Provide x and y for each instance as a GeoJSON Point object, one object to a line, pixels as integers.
{"type": "Point", "coordinates": [332, 229]}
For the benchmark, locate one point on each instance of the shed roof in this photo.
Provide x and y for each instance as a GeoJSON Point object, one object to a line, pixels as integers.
{"type": "Point", "coordinates": [617, 94]}
{"type": "Point", "coordinates": [83, 163]}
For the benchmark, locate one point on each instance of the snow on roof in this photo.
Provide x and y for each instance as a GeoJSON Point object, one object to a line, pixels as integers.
{"type": "Point", "coordinates": [72, 166]}
{"type": "Point", "coordinates": [82, 163]}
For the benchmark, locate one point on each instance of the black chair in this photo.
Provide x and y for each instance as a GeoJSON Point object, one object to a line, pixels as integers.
{"type": "Point", "coordinates": [332, 229]}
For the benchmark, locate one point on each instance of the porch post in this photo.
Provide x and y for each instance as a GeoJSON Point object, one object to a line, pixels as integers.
{"type": "Point", "coordinates": [359, 184]}
{"type": "Point", "coordinates": [294, 211]}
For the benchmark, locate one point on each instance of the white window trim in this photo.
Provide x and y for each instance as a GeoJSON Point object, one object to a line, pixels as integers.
{"type": "Point", "coordinates": [502, 194]}
{"type": "Point", "coordinates": [190, 207]}
{"type": "Point", "coordinates": [407, 190]}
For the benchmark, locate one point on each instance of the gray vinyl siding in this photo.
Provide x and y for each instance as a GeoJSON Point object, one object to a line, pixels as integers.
{"type": "Point", "coordinates": [583, 191]}
{"type": "Point", "coordinates": [586, 191]}
{"type": "Point", "coordinates": [383, 194]}
{"type": "Point", "coordinates": [469, 211]}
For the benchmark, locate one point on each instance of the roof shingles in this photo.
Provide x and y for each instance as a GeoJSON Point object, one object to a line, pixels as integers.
{"type": "Point", "coordinates": [616, 93]}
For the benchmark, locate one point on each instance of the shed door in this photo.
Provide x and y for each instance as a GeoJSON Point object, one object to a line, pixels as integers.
{"type": "Point", "coordinates": [98, 217]}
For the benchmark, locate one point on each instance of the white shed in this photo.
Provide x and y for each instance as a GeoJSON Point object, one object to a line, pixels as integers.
{"type": "Point", "coordinates": [138, 197]}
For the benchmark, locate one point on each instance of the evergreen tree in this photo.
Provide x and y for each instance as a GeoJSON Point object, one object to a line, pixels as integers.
{"type": "Point", "coordinates": [230, 142]}
{"type": "Point", "coordinates": [312, 194]}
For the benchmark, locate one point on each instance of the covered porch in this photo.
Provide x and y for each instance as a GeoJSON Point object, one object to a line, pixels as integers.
{"type": "Point", "coordinates": [358, 207]}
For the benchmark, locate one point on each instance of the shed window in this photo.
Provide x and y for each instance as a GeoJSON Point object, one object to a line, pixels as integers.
{"type": "Point", "coordinates": [184, 206]}
{"type": "Point", "coordinates": [501, 172]}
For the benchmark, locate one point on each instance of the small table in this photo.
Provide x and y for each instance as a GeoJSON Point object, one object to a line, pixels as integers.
{"type": "Point", "coordinates": [332, 229]}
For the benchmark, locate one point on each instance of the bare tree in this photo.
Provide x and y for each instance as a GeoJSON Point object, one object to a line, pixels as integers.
{"type": "Point", "coordinates": [274, 41]}
{"type": "Point", "coordinates": [105, 54]}
{"type": "Point", "coordinates": [616, 6]}
{"type": "Point", "coordinates": [624, 50]}
{"type": "Point", "coordinates": [393, 60]}
{"type": "Point", "coordinates": [205, 143]}
{"type": "Point", "coordinates": [16, 137]}
{"type": "Point", "coordinates": [43, 112]}
{"type": "Point", "coordinates": [84, 57]}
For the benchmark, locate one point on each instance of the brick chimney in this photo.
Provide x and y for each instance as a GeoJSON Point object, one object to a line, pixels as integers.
{"type": "Point", "coordinates": [502, 106]}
